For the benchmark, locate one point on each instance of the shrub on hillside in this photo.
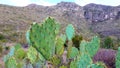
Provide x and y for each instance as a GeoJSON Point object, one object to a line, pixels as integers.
{"type": "Point", "coordinates": [108, 43]}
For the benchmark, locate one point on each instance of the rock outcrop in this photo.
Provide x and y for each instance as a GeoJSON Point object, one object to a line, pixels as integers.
{"type": "Point", "coordinates": [99, 13]}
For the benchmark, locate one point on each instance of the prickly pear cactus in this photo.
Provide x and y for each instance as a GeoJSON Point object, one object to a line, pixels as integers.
{"type": "Point", "coordinates": [87, 51]}
{"type": "Point", "coordinates": [28, 37]}
{"type": "Point", "coordinates": [39, 64]}
{"type": "Point", "coordinates": [20, 64]}
{"type": "Point", "coordinates": [90, 47]}
{"type": "Point", "coordinates": [6, 57]}
{"type": "Point", "coordinates": [42, 37]}
{"type": "Point", "coordinates": [93, 46]}
{"type": "Point", "coordinates": [17, 46]}
{"type": "Point", "coordinates": [20, 54]}
{"type": "Point", "coordinates": [84, 60]}
{"type": "Point", "coordinates": [28, 66]}
{"type": "Point", "coordinates": [11, 63]}
{"type": "Point", "coordinates": [83, 47]}
{"type": "Point", "coordinates": [74, 52]}
{"type": "Point", "coordinates": [59, 47]}
{"type": "Point", "coordinates": [12, 51]}
{"type": "Point", "coordinates": [10, 54]}
{"type": "Point", "coordinates": [118, 58]}
{"type": "Point", "coordinates": [55, 60]}
{"type": "Point", "coordinates": [63, 37]}
{"type": "Point", "coordinates": [97, 65]}
{"type": "Point", "coordinates": [70, 31]}
{"type": "Point", "coordinates": [73, 64]}
{"type": "Point", "coordinates": [63, 66]}
{"type": "Point", "coordinates": [32, 54]}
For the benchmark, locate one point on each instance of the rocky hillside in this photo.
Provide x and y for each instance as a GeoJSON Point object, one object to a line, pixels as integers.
{"type": "Point", "coordinates": [105, 20]}
{"type": "Point", "coordinates": [101, 19]}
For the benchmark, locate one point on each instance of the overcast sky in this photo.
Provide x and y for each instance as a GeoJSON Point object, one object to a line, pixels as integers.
{"type": "Point", "coordinates": [53, 2]}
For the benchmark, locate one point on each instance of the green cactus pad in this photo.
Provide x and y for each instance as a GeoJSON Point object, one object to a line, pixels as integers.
{"type": "Point", "coordinates": [55, 60]}
{"type": "Point", "coordinates": [118, 58]}
{"type": "Point", "coordinates": [63, 66]}
{"type": "Point", "coordinates": [73, 64]}
{"type": "Point", "coordinates": [59, 48]}
{"type": "Point", "coordinates": [82, 47]}
{"type": "Point", "coordinates": [11, 63]}
{"type": "Point", "coordinates": [90, 47]}
{"type": "Point", "coordinates": [12, 51]}
{"type": "Point", "coordinates": [17, 46]}
{"type": "Point", "coordinates": [28, 37]}
{"type": "Point", "coordinates": [74, 52]}
{"type": "Point", "coordinates": [93, 46]}
{"type": "Point", "coordinates": [43, 36]}
{"type": "Point", "coordinates": [84, 61]}
{"type": "Point", "coordinates": [70, 31]}
{"type": "Point", "coordinates": [20, 54]}
{"type": "Point", "coordinates": [32, 54]}
{"type": "Point", "coordinates": [63, 37]}
{"type": "Point", "coordinates": [10, 54]}
{"type": "Point", "coordinates": [20, 64]}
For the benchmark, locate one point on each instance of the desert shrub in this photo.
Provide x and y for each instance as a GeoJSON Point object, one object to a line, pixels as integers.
{"type": "Point", "coordinates": [107, 43]}
{"type": "Point", "coordinates": [22, 39]}
{"type": "Point", "coordinates": [7, 47]}
{"type": "Point", "coordinates": [2, 37]}
{"type": "Point", "coordinates": [1, 49]}
{"type": "Point", "coordinates": [76, 40]}
{"type": "Point", "coordinates": [13, 37]}
{"type": "Point", "coordinates": [107, 56]}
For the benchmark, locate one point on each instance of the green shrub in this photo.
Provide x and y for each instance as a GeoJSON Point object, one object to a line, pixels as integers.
{"type": "Point", "coordinates": [107, 43]}
{"type": "Point", "coordinates": [2, 37]}
{"type": "Point", "coordinates": [1, 49]}
{"type": "Point", "coordinates": [7, 48]}
{"type": "Point", "coordinates": [77, 40]}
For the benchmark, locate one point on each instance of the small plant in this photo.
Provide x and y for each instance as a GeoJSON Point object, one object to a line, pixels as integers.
{"type": "Point", "coordinates": [7, 48]}
{"type": "Point", "coordinates": [1, 50]}
{"type": "Point", "coordinates": [2, 37]}
{"type": "Point", "coordinates": [77, 40]}
{"type": "Point", "coordinates": [118, 58]}
{"type": "Point", "coordinates": [108, 43]}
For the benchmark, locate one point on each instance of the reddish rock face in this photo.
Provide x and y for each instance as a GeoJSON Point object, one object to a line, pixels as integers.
{"type": "Point", "coordinates": [107, 56]}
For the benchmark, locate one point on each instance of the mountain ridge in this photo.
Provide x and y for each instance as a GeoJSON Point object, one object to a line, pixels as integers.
{"type": "Point", "coordinates": [87, 20]}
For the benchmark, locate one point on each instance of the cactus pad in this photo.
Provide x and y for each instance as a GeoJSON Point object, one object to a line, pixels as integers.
{"type": "Point", "coordinates": [42, 37]}
{"type": "Point", "coordinates": [70, 31]}
{"type": "Point", "coordinates": [11, 63]}
{"type": "Point", "coordinates": [118, 58]}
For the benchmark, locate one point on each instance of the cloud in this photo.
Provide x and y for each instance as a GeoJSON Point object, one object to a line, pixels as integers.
{"type": "Point", "coordinates": [43, 2]}
{"type": "Point", "coordinates": [20, 2]}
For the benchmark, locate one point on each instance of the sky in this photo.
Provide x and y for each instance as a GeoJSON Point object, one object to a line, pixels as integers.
{"type": "Point", "coordinates": [54, 2]}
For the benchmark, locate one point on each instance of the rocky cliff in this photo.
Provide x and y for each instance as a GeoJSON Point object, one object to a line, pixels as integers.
{"type": "Point", "coordinates": [100, 13]}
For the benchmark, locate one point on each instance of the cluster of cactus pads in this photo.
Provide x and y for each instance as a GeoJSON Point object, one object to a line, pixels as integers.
{"type": "Point", "coordinates": [46, 47]}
